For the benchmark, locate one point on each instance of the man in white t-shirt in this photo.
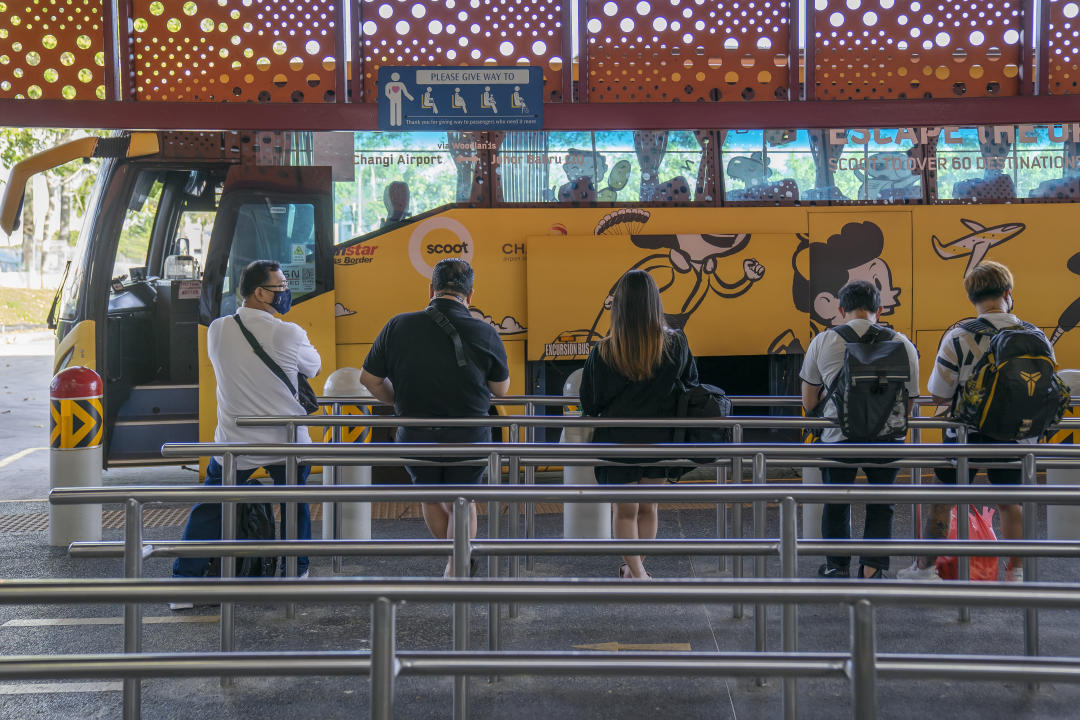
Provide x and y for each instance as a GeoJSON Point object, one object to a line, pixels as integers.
{"type": "Point", "coordinates": [989, 287]}
{"type": "Point", "coordinates": [859, 303]}
{"type": "Point", "coordinates": [247, 386]}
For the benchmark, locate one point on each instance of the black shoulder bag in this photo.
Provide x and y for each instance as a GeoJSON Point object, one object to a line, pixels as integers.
{"type": "Point", "coordinates": [305, 396]}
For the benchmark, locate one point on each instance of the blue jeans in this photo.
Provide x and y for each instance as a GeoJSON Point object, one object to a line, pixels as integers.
{"type": "Point", "coordinates": [204, 523]}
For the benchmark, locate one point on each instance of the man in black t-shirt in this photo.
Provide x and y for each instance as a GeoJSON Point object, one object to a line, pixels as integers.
{"type": "Point", "coordinates": [440, 362]}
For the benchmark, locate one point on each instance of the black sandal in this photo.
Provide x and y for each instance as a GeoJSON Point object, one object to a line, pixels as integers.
{"type": "Point", "coordinates": [624, 572]}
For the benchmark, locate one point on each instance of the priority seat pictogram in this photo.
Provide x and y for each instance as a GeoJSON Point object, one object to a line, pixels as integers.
{"type": "Point", "coordinates": [75, 423]}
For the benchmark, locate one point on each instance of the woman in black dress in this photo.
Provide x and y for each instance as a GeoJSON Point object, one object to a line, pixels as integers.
{"type": "Point", "coordinates": [636, 371]}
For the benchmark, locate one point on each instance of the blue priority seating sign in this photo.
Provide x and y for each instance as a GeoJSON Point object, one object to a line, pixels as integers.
{"type": "Point", "coordinates": [461, 98]}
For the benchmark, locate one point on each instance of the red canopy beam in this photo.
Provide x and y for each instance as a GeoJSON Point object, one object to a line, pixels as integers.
{"type": "Point", "coordinates": [557, 116]}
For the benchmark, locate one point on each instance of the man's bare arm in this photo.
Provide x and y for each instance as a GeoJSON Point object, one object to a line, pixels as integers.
{"type": "Point", "coordinates": [811, 396]}
{"type": "Point", "coordinates": [380, 387]}
{"type": "Point", "coordinates": [499, 389]}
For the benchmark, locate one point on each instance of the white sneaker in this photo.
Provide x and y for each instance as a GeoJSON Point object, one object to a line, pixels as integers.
{"type": "Point", "coordinates": [1014, 575]}
{"type": "Point", "coordinates": [917, 573]}
{"type": "Point", "coordinates": [174, 606]}
{"type": "Point", "coordinates": [304, 575]}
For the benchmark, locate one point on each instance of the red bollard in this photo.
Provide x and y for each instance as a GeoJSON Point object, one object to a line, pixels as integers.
{"type": "Point", "coordinates": [76, 428]}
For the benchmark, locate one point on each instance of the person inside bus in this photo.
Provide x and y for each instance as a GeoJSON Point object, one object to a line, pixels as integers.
{"type": "Point", "coordinates": [637, 370]}
{"type": "Point", "coordinates": [440, 362]}
{"type": "Point", "coordinates": [246, 385]}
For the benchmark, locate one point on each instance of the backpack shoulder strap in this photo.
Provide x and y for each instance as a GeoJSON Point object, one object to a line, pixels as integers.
{"type": "Point", "coordinates": [979, 326]}
{"type": "Point", "coordinates": [447, 327]}
{"type": "Point", "coordinates": [274, 367]}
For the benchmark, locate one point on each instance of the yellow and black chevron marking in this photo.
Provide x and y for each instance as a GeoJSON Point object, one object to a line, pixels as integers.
{"type": "Point", "coordinates": [359, 433]}
{"type": "Point", "coordinates": [75, 423]}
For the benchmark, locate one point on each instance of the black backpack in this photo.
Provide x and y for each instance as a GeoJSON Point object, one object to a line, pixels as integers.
{"type": "Point", "coordinates": [254, 521]}
{"type": "Point", "coordinates": [870, 392]}
{"type": "Point", "coordinates": [1013, 392]}
{"type": "Point", "coordinates": [700, 401]}
{"type": "Point", "coordinates": [703, 401]}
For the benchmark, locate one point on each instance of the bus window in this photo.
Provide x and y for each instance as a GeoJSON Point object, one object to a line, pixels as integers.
{"type": "Point", "coordinates": [400, 174]}
{"type": "Point", "coordinates": [767, 165]}
{"type": "Point", "coordinates": [134, 245]}
{"type": "Point", "coordinates": [279, 231]}
{"type": "Point", "coordinates": [882, 168]}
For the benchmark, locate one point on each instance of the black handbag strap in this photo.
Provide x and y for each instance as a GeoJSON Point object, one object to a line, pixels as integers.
{"type": "Point", "coordinates": [447, 327]}
{"type": "Point", "coordinates": [274, 367]}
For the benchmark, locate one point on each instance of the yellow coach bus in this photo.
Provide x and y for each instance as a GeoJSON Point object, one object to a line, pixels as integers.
{"type": "Point", "coordinates": [749, 234]}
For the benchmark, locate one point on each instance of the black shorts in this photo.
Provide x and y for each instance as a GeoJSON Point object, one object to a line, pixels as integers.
{"type": "Point", "coordinates": [447, 474]}
{"type": "Point", "coordinates": [997, 476]}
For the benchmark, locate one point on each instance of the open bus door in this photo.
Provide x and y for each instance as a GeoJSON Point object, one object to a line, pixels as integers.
{"type": "Point", "coordinates": [278, 213]}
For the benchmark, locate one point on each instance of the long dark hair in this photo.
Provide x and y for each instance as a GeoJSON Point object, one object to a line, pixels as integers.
{"type": "Point", "coordinates": [635, 344]}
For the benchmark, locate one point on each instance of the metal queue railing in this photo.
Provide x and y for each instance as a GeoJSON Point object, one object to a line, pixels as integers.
{"type": "Point", "coordinates": [732, 469]}
{"type": "Point", "coordinates": [591, 454]}
{"type": "Point", "coordinates": [862, 664]}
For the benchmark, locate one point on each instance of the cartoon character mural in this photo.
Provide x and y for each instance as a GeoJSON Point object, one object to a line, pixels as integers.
{"type": "Point", "coordinates": [1071, 315]}
{"type": "Point", "coordinates": [976, 243]}
{"type": "Point", "coordinates": [822, 268]}
{"type": "Point", "coordinates": [687, 272]}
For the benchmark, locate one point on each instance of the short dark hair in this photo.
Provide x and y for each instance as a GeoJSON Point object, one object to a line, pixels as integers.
{"type": "Point", "coordinates": [859, 295]}
{"type": "Point", "coordinates": [255, 274]}
{"type": "Point", "coordinates": [452, 275]}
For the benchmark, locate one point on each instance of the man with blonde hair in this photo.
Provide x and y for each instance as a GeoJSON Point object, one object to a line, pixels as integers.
{"type": "Point", "coordinates": [989, 287]}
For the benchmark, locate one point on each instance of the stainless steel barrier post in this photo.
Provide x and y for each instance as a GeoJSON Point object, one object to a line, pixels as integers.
{"type": "Point", "coordinates": [963, 561]}
{"type": "Point", "coordinates": [789, 569]}
{"type": "Point", "coordinates": [863, 668]}
{"type": "Point", "coordinates": [1031, 566]}
{"type": "Point", "coordinates": [384, 663]}
{"type": "Point", "coordinates": [760, 610]}
{"type": "Point", "coordinates": [494, 472]}
{"type": "Point", "coordinates": [736, 517]}
{"type": "Point", "coordinates": [291, 561]}
{"type": "Point", "coordinates": [530, 479]}
{"type": "Point", "coordinates": [916, 479]}
{"type": "Point", "coordinates": [228, 564]}
{"type": "Point", "coordinates": [514, 478]}
{"type": "Point", "coordinates": [330, 477]}
{"type": "Point", "coordinates": [461, 609]}
{"type": "Point", "coordinates": [721, 518]}
{"type": "Point", "coordinates": [133, 562]}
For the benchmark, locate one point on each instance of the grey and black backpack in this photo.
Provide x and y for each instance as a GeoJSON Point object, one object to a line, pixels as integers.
{"type": "Point", "coordinates": [870, 393]}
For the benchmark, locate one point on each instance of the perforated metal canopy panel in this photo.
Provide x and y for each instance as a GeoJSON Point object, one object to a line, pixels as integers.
{"type": "Point", "coordinates": [462, 32]}
{"type": "Point", "coordinates": [234, 50]}
{"type": "Point", "coordinates": [687, 51]}
{"type": "Point", "coordinates": [1064, 45]}
{"type": "Point", "coordinates": [916, 48]}
{"type": "Point", "coordinates": [52, 50]}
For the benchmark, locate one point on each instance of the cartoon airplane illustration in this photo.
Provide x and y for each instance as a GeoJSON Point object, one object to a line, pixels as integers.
{"type": "Point", "coordinates": [977, 243]}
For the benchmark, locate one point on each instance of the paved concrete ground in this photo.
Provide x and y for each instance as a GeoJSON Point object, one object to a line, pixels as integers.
{"type": "Point", "coordinates": [84, 628]}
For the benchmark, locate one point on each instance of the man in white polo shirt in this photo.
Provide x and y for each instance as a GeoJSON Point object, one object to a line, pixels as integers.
{"type": "Point", "coordinates": [247, 386]}
{"type": "Point", "coordinates": [859, 303]}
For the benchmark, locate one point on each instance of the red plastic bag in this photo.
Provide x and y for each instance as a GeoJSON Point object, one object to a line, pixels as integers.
{"type": "Point", "coordinates": [980, 527]}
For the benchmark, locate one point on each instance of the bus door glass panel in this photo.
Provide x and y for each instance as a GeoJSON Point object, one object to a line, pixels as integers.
{"type": "Point", "coordinates": [279, 231]}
